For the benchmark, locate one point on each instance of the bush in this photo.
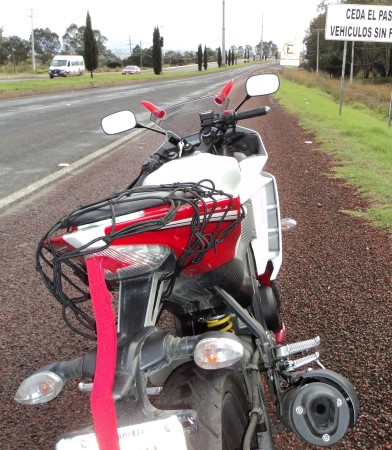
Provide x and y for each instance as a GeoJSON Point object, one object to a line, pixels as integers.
{"type": "Point", "coordinates": [113, 64]}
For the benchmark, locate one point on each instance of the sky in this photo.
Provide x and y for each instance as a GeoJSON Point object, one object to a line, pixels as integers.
{"type": "Point", "coordinates": [183, 24]}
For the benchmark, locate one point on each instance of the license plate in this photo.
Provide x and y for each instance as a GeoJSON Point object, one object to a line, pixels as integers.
{"type": "Point", "coordinates": [165, 434]}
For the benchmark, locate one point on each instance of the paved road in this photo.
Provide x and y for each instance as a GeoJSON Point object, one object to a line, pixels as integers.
{"type": "Point", "coordinates": [41, 134]}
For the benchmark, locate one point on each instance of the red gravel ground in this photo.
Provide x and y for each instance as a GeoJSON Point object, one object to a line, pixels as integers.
{"type": "Point", "coordinates": [335, 282]}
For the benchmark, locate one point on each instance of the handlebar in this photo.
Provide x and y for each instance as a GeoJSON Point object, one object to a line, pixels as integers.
{"type": "Point", "coordinates": [252, 113]}
{"type": "Point", "coordinates": [231, 117]}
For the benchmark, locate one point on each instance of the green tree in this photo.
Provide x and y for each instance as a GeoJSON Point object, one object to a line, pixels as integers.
{"type": "Point", "coordinates": [250, 50]}
{"type": "Point", "coordinates": [140, 57]}
{"type": "Point", "coordinates": [73, 40]}
{"type": "Point", "coordinates": [104, 54]}
{"type": "Point", "coordinates": [156, 51]}
{"type": "Point", "coordinates": [189, 56]}
{"type": "Point", "coordinates": [46, 44]}
{"type": "Point", "coordinates": [199, 58]}
{"type": "Point", "coordinates": [3, 50]}
{"type": "Point", "coordinates": [134, 58]}
{"type": "Point", "coordinates": [205, 58]}
{"type": "Point", "coordinates": [73, 44]}
{"type": "Point", "coordinates": [269, 49]}
{"type": "Point", "coordinates": [90, 52]}
{"type": "Point", "coordinates": [369, 57]}
{"type": "Point", "coordinates": [17, 49]}
{"type": "Point", "coordinates": [219, 57]}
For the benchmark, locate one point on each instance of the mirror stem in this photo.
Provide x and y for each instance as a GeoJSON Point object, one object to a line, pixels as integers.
{"type": "Point", "coordinates": [247, 97]}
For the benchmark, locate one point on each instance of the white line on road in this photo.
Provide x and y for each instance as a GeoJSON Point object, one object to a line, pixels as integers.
{"type": "Point", "coordinates": [6, 201]}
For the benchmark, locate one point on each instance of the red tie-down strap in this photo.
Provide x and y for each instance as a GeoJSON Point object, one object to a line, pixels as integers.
{"type": "Point", "coordinates": [101, 400]}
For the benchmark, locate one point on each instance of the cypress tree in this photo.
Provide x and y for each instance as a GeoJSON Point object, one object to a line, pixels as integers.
{"type": "Point", "coordinates": [199, 58]}
{"type": "Point", "coordinates": [219, 57]}
{"type": "Point", "coordinates": [90, 51]}
{"type": "Point", "coordinates": [205, 62]}
{"type": "Point", "coordinates": [156, 52]}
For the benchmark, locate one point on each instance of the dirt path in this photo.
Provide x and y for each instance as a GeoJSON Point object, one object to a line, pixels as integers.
{"type": "Point", "coordinates": [335, 282]}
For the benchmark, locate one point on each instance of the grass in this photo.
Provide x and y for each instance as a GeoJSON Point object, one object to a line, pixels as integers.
{"type": "Point", "coordinates": [375, 93]}
{"type": "Point", "coordinates": [359, 139]}
{"type": "Point", "coordinates": [99, 79]}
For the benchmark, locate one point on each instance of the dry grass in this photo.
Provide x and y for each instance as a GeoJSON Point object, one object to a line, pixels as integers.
{"type": "Point", "coordinates": [374, 93]}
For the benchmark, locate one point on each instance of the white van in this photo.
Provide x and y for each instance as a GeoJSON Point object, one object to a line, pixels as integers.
{"type": "Point", "coordinates": [66, 65]}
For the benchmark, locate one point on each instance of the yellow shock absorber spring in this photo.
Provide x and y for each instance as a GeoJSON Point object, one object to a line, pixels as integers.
{"type": "Point", "coordinates": [220, 323]}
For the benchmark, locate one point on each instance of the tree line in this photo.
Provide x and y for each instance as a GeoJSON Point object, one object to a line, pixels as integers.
{"type": "Point", "coordinates": [370, 58]}
{"type": "Point", "coordinates": [366, 58]}
{"type": "Point", "coordinates": [47, 44]}
{"type": "Point", "coordinates": [15, 50]}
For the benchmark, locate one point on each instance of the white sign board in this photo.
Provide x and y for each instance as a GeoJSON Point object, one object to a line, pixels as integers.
{"type": "Point", "coordinates": [359, 23]}
{"type": "Point", "coordinates": [289, 55]}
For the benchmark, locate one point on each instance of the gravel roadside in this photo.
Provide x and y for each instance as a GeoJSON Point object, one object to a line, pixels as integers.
{"type": "Point", "coordinates": [335, 282]}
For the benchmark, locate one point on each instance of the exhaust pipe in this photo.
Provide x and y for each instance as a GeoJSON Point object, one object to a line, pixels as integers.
{"type": "Point", "coordinates": [321, 408]}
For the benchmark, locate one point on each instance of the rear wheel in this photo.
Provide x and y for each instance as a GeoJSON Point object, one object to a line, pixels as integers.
{"type": "Point", "coordinates": [220, 400]}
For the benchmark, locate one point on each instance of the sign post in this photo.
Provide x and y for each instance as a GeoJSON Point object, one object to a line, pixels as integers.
{"type": "Point", "coordinates": [365, 23]}
{"type": "Point", "coordinates": [342, 78]}
{"type": "Point", "coordinates": [290, 54]}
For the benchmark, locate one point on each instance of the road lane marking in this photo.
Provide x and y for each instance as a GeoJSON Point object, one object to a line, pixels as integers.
{"type": "Point", "coordinates": [6, 201]}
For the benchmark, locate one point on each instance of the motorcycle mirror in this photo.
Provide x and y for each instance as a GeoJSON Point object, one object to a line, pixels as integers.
{"type": "Point", "coordinates": [119, 122]}
{"type": "Point", "coordinates": [264, 84]}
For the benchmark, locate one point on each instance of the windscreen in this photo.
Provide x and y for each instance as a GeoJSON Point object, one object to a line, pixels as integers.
{"type": "Point", "coordinates": [59, 62]}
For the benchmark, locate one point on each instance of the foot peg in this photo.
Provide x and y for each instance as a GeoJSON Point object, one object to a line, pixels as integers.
{"type": "Point", "coordinates": [293, 365]}
{"type": "Point", "coordinates": [297, 347]}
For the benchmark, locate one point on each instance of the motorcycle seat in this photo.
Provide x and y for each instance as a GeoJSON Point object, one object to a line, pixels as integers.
{"type": "Point", "coordinates": [105, 212]}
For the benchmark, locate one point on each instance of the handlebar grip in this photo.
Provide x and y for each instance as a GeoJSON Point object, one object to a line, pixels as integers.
{"type": "Point", "coordinates": [252, 113]}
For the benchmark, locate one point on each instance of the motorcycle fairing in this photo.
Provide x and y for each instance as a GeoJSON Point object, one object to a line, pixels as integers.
{"type": "Point", "coordinates": [223, 171]}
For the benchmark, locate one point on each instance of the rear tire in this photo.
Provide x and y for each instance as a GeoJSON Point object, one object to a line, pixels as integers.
{"type": "Point", "coordinates": [220, 400]}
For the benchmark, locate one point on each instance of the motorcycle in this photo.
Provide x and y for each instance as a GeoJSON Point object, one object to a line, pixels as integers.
{"type": "Point", "coordinates": [196, 237]}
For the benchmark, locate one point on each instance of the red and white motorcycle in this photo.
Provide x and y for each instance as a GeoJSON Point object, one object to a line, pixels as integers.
{"type": "Point", "coordinates": [196, 237]}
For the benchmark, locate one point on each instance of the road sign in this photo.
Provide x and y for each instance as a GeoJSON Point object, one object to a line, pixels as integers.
{"type": "Point", "coordinates": [346, 22]}
{"type": "Point", "coordinates": [290, 54]}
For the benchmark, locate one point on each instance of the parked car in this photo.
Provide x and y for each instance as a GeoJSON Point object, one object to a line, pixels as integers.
{"type": "Point", "coordinates": [129, 70]}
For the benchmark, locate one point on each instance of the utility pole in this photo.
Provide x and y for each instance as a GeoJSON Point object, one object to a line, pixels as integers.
{"type": "Point", "coordinates": [141, 55]}
{"type": "Point", "coordinates": [318, 51]}
{"type": "Point", "coordinates": [130, 45]}
{"type": "Point", "coordinates": [318, 48]}
{"type": "Point", "coordinates": [223, 35]}
{"type": "Point", "coordinates": [32, 39]}
{"type": "Point", "coordinates": [261, 42]}
{"type": "Point", "coordinates": [162, 52]}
